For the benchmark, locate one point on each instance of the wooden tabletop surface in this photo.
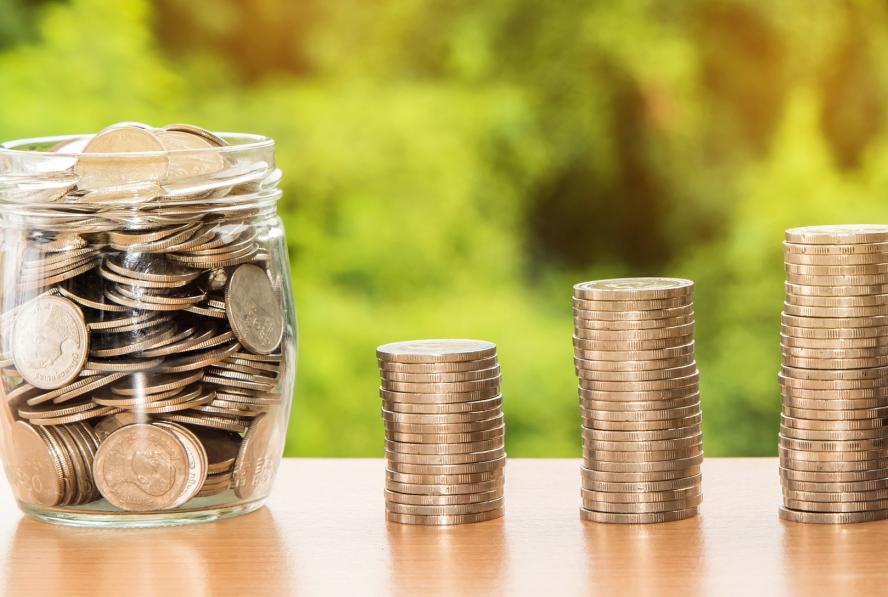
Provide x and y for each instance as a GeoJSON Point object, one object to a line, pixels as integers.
{"type": "Point", "coordinates": [323, 533]}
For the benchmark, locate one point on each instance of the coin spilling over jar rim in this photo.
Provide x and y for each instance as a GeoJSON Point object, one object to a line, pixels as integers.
{"type": "Point", "coordinates": [147, 339]}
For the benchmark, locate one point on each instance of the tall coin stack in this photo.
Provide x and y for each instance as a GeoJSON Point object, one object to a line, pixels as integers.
{"type": "Point", "coordinates": [444, 444]}
{"type": "Point", "coordinates": [639, 399]}
{"type": "Point", "coordinates": [833, 440]}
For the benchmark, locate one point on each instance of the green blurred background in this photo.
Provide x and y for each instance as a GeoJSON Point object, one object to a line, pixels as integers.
{"type": "Point", "coordinates": [453, 166]}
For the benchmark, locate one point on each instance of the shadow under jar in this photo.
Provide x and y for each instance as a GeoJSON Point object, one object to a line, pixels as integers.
{"type": "Point", "coordinates": [147, 330]}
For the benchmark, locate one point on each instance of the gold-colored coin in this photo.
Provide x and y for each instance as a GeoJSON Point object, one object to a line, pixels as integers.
{"type": "Point", "coordinates": [611, 315]}
{"type": "Point", "coordinates": [592, 484]}
{"type": "Point", "coordinates": [640, 477]}
{"type": "Point", "coordinates": [443, 367]}
{"type": "Point", "coordinates": [637, 396]}
{"type": "Point", "coordinates": [844, 259]}
{"type": "Point", "coordinates": [443, 409]}
{"type": "Point", "coordinates": [461, 376]}
{"type": "Point", "coordinates": [833, 312]}
{"type": "Point", "coordinates": [835, 506]}
{"type": "Point", "coordinates": [442, 500]}
{"type": "Point", "coordinates": [436, 351]}
{"type": "Point", "coordinates": [633, 289]}
{"type": "Point", "coordinates": [646, 425]}
{"type": "Point", "coordinates": [440, 388]}
{"type": "Point", "coordinates": [645, 375]}
{"type": "Point", "coordinates": [445, 520]}
{"type": "Point", "coordinates": [627, 366]}
{"type": "Point", "coordinates": [643, 446]}
{"type": "Point", "coordinates": [838, 234]}
{"type": "Point", "coordinates": [447, 438]}
{"type": "Point", "coordinates": [444, 398]}
{"type": "Point", "coordinates": [646, 518]}
{"type": "Point", "coordinates": [495, 443]}
{"type": "Point", "coordinates": [845, 495]}
{"type": "Point", "coordinates": [649, 456]}
{"type": "Point", "coordinates": [621, 405]}
{"type": "Point", "coordinates": [837, 290]}
{"type": "Point", "coordinates": [806, 479]}
{"type": "Point", "coordinates": [686, 463]}
{"type": "Point", "coordinates": [446, 469]}
{"type": "Point", "coordinates": [834, 446]}
{"type": "Point", "coordinates": [832, 435]}
{"type": "Point", "coordinates": [642, 507]}
{"type": "Point", "coordinates": [833, 248]}
{"type": "Point", "coordinates": [444, 459]}
{"type": "Point", "coordinates": [448, 510]}
{"type": "Point", "coordinates": [859, 269]}
{"type": "Point", "coordinates": [641, 386]}
{"type": "Point", "coordinates": [445, 488]}
{"type": "Point", "coordinates": [629, 305]}
{"type": "Point", "coordinates": [445, 428]}
{"type": "Point", "coordinates": [582, 341]}
{"type": "Point", "coordinates": [831, 518]}
{"type": "Point", "coordinates": [834, 333]}
{"type": "Point", "coordinates": [581, 322]}
{"type": "Point", "coordinates": [634, 355]}
{"type": "Point", "coordinates": [619, 336]}
{"type": "Point", "coordinates": [631, 436]}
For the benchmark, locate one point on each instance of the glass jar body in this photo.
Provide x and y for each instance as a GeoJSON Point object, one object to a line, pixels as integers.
{"type": "Point", "coordinates": [147, 338]}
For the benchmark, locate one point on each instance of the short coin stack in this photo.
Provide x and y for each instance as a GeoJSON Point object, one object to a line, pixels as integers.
{"type": "Point", "coordinates": [639, 399]}
{"type": "Point", "coordinates": [444, 444]}
{"type": "Point", "coordinates": [833, 438]}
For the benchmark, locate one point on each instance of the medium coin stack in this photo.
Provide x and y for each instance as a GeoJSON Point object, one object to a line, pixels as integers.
{"type": "Point", "coordinates": [142, 361]}
{"type": "Point", "coordinates": [639, 400]}
{"type": "Point", "coordinates": [833, 440]}
{"type": "Point", "coordinates": [444, 431]}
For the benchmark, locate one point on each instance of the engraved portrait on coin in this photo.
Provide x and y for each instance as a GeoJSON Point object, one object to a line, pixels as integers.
{"type": "Point", "coordinates": [50, 342]}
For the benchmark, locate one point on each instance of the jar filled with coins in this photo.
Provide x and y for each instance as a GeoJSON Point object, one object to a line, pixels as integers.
{"type": "Point", "coordinates": [147, 330]}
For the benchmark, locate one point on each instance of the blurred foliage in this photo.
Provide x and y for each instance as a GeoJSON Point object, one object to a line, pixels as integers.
{"type": "Point", "coordinates": [452, 167]}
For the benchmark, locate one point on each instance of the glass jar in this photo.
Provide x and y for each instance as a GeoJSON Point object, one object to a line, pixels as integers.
{"type": "Point", "coordinates": [147, 329]}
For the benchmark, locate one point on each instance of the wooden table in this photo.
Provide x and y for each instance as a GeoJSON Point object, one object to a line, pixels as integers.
{"type": "Point", "coordinates": [323, 533]}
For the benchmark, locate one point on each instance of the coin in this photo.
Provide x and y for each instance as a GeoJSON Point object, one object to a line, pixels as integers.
{"type": "Point", "coordinates": [442, 367]}
{"type": "Point", "coordinates": [445, 520]}
{"type": "Point", "coordinates": [141, 467]}
{"type": "Point", "coordinates": [257, 459]}
{"type": "Point", "coordinates": [438, 350]}
{"type": "Point", "coordinates": [835, 234]}
{"type": "Point", "coordinates": [644, 518]}
{"type": "Point", "coordinates": [50, 342]}
{"type": "Point", "coordinates": [642, 507]}
{"type": "Point", "coordinates": [106, 169]}
{"type": "Point", "coordinates": [447, 510]}
{"type": "Point", "coordinates": [254, 310]}
{"type": "Point", "coordinates": [831, 517]}
{"type": "Point", "coordinates": [633, 289]}
{"type": "Point", "coordinates": [442, 500]}
{"type": "Point", "coordinates": [37, 473]}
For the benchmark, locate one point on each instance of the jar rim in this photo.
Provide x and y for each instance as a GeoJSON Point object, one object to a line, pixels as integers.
{"type": "Point", "coordinates": [243, 142]}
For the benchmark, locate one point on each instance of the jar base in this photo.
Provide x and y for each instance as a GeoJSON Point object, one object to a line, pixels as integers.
{"type": "Point", "coordinates": [129, 520]}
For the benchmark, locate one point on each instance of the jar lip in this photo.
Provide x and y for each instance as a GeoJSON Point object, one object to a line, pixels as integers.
{"type": "Point", "coordinates": [243, 142]}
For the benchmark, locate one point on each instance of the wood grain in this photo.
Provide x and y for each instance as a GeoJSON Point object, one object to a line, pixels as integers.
{"type": "Point", "coordinates": [323, 533]}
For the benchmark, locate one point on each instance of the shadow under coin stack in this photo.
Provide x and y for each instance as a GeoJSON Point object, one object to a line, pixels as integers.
{"type": "Point", "coordinates": [833, 456]}
{"type": "Point", "coordinates": [639, 399]}
{"type": "Point", "coordinates": [444, 431]}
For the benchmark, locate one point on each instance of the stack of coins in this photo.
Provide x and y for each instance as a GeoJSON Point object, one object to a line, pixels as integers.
{"type": "Point", "coordinates": [122, 343]}
{"type": "Point", "coordinates": [444, 431]}
{"type": "Point", "coordinates": [639, 400]}
{"type": "Point", "coordinates": [833, 437]}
